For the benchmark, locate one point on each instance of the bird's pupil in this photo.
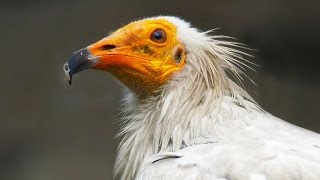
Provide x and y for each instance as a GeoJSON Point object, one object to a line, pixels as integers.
{"type": "Point", "coordinates": [157, 35]}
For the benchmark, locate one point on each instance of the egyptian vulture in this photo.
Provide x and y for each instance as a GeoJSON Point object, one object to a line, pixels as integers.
{"type": "Point", "coordinates": [186, 116]}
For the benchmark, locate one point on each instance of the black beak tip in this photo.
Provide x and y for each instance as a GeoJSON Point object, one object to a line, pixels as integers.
{"type": "Point", "coordinates": [70, 81]}
{"type": "Point", "coordinates": [67, 70]}
{"type": "Point", "coordinates": [79, 61]}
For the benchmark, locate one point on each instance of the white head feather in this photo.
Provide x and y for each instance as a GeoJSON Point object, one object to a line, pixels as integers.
{"type": "Point", "coordinates": [185, 110]}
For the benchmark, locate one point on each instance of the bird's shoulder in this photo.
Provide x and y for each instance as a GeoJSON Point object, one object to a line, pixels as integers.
{"type": "Point", "coordinates": [273, 157]}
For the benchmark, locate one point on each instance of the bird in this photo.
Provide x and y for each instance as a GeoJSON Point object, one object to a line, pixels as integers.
{"type": "Point", "coordinates": [186, 114]}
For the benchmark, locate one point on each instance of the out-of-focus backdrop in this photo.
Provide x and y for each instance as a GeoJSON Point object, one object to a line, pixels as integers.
{"type": "Point", "coordinates": [51, 131]}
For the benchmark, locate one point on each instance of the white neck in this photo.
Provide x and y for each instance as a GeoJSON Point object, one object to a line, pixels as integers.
{"type": "Point", "coordinates": [186, 114]}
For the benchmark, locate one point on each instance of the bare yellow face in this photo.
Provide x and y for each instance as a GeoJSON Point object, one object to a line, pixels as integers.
{"type": "Point", "coordinates": [143, 55]}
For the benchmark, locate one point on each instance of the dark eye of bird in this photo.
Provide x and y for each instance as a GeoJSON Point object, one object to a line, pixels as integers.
{"type": "Point", "coordinates": [158, 36]}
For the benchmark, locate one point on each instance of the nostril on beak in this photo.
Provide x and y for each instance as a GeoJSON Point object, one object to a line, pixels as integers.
{"type": "Point", "coordinates": [108, 47]}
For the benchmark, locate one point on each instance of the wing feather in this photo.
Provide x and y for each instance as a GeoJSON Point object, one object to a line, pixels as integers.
{"type": "Point", "coordinates": [282, 155]}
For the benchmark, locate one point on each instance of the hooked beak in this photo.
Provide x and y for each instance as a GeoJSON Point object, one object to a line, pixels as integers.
{"type": "Point", "coordinates": [81, 60]}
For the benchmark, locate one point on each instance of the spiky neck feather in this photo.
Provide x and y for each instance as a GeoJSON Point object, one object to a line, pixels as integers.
{"type": "Point", "coordinates": [189, 109]}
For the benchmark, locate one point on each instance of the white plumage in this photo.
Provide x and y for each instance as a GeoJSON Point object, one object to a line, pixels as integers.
{"type": "Point", "coordinates": [204, 126]}
{"type": "Point", "coordinates": [184, 117]}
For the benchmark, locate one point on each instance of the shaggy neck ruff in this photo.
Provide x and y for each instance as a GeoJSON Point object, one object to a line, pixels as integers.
{"type": "Point", "coordinates": [198, 105]}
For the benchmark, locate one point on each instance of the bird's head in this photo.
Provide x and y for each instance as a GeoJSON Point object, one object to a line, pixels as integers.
{"type": "Point", "coordinates": [146, 54]}
{"type": "Point", "coordinates": [143, 55]}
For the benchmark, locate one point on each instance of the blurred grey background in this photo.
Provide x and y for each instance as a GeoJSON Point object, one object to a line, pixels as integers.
{"type": "Point", "coordinates": [51, 131]}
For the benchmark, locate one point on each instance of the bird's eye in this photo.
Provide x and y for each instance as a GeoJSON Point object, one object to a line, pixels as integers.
{"type": "Point", "coordinates": [158, 36]}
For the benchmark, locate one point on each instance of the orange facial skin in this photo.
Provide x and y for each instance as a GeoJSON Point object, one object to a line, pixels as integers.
{"type": "Point", "coordinates": [136, 59]}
